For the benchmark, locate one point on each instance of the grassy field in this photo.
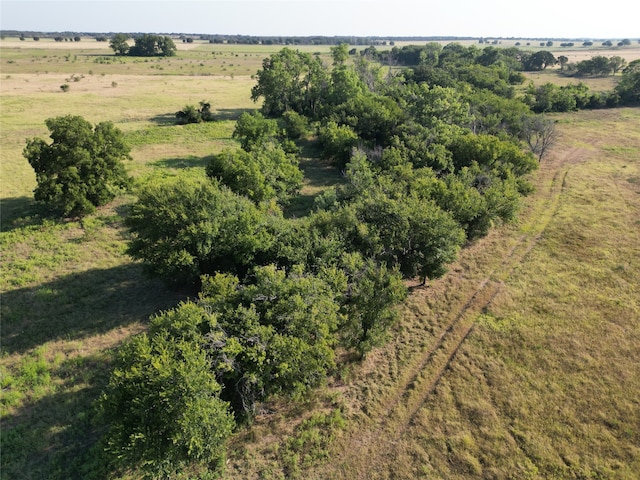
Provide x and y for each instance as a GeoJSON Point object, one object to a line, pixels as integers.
{"type": "Point", "coordinates": [520, 363]}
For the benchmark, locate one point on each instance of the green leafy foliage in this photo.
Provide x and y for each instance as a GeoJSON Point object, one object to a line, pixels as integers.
{"type": "Point", "coordinates": [372, 117]}
{"type": "Point", "coordinates": [628, 88]}
{"type": "Point", "coordinates": [337, 142]}
{"type": "Point", "coordinates": [149, 45]}
{"type": "Point", "coordinates": [277, 333]}
{"type": "Point", "coordinates": [290, 80]}
{"type": "Point", "coordinates": [253, 129]}
{"type": "Point", "coordinates": [260, 174]}
{"type": "Point", "coordinates": [119, 44]}
{"type": "Point", "coordinates": [163, 405]}
{"type": "Point", "coordinates": [538, 60]}
{"type": "Point", "coordinates": [491, 152]}
{"type": "Point", "coordinates": [373, 292]}
{"type": "Point", "coordinates": [193, 114]}
{"type": "Point", "coordinates": [406, 232]}
{"type": "Point", "coordinates": [83, 166]}
{"type": "Point", "coordinates": [295, 124]}
{"type": "Point", "coordinates": [427, 167]}
{"type": "Point", "coordinates": [598, 65]}
{"type": "Point", "coordinates": [183, 229]}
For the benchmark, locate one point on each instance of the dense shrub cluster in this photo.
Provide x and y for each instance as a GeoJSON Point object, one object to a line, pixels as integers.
{"type": "Point", "coordinates": [193, 114]}
{"type": "Point", "coordinates": [146, 45]}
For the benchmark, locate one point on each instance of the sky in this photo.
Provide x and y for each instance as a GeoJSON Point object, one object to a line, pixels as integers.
{"type": "Point", "coordinates": [459, 18]}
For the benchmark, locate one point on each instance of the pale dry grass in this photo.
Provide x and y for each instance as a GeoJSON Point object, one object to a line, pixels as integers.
{"type": "Point", "coordinates": [595, 84]}
{"type": "Point", "coordinates": [629, 53]}
{"type": "Point", "coordinates": [132, 102]}
{"type": "Point", "coordinates": [85, 43]}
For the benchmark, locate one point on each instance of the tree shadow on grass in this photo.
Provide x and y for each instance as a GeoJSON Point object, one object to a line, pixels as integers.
{"type": "Point", "coordinates": [317, 172]}
{"type": "Point", "coordinates": [299, 206]}
{"type": "Point", "coordinates": [222, 114]}
{"type": "Point", "coordinates": [319, 175]}
{"type": "Point", "coordinates": [230, 113]}
{"type": "Point", "coordinates": [20, 212]}
{"type": "Point", "coordinates": [56, 436]}
{"type": "Point", "coordinates": [191, 161]}
{"type": "Point", "coordinates": [166, 119]}
{"type": "Point", "coordinates": [80, 305]}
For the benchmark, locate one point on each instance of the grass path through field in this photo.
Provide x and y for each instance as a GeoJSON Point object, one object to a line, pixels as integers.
{"type": "Point", "coordinates": [428, 366]}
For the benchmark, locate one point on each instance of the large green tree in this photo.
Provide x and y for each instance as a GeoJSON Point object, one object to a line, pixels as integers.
{"type": "Point", "coordinates": [628, 88]}
{"type": "Point", "coordinates": [149, 45]}
{"type": "Point", "coordinates": [119, 44]}
{"type": "Point", "coordinates": [291, 80]}
{"type": "Point", "coordinates": [82, 168]}
{"type": "Point", "coordinates": [538, 60]}
{"type": "Point", "coordinates": [162, 406]}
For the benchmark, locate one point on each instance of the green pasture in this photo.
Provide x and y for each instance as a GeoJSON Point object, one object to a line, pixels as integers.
{"type": "Point", "coordinates": [69, 294]}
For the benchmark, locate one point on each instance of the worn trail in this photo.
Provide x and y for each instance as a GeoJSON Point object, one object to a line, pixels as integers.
{"type": "Point", "coordinates": [375, 439]}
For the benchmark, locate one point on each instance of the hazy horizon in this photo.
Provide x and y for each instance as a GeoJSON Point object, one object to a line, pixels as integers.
{"type": "Point", "coordinates": [380, 18]}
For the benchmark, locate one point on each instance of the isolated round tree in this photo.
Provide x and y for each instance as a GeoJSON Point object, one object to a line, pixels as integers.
{"type": "Point", "coordinates": [82, 168]}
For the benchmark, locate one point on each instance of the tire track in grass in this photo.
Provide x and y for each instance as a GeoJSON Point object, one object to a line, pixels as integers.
{"type": "Point", "coordinates": [429, 367]}
{"type": "Point", "coordinates": [464, 321]}
{"type": "Point", "coordinates": [456, 331]}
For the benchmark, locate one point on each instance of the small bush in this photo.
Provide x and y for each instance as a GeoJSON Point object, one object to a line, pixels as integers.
{"type": "Point", "coordinates": [163, 405]}
{"type": "Point", "coordinates": [192, 114]}
{"type": "Point", "coordinates": [65, 87]}
{"type": "Point", "coordinates": [295, 125]}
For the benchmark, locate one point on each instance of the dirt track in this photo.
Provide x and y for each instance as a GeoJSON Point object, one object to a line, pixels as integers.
{"type": "Point", "coordinates": [376, 436]}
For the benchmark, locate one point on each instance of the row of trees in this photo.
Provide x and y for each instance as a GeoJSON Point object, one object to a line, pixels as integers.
{"type": "Point", "coordinates": [426, 168]}
{"type": "Point", "coordinates": [499, 69]}
{"type": "Point", "coordinates": [512, 57]}
{"type": "Point", "coordinates": [600, 65]}
{"type": "Point", "coordinates": [553, 98]}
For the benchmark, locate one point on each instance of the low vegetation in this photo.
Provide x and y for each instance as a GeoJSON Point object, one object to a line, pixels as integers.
{"type": "Point", "coordinates": [424, 162]}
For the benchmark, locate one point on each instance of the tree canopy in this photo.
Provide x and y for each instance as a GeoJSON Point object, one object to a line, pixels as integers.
{"type": "Point", "coordinates": [119, 44]}
{"type": "Point", "coordinates": [432, 155]}
{"type": "Point", "coordinates": [83, 166]}
{"type": "Point", "coordinates": [260, 174]}
{"type": "Point", "coordinates": [147, 45]}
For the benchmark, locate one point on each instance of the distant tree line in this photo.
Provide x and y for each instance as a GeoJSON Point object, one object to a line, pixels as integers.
{"type": "Point", "coordinates": [497, 69]}
{"type": "Point", "coordinates": [321, 40]}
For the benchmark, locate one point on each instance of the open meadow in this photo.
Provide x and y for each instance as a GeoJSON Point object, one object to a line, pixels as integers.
{"type": "Point", "coordinates": [522, 362]}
